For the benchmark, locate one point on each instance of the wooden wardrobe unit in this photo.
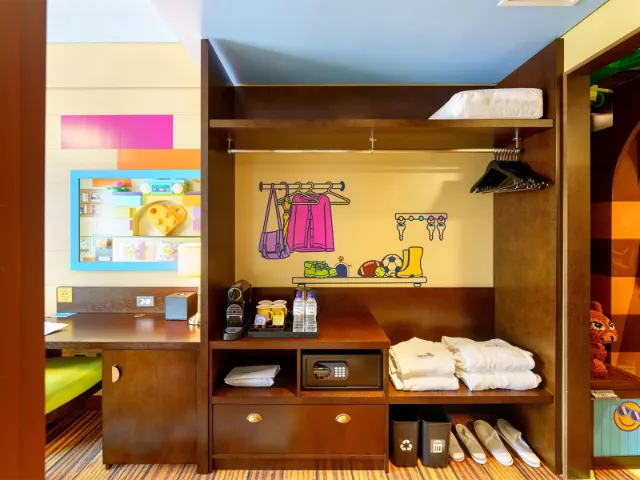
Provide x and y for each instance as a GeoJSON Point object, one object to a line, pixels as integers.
{"type": "Point", "coordinates": [522, 308]}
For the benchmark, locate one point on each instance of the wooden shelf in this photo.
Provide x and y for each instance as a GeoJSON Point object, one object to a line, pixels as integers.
{"type": "Point", "coordinates": [391, 134]}
{"type": "Point", "coordinates": [334, 281]}
{"type": "Point", "coordinates": [342, 331]}
{"type": "Point", "coordinates": [370, 397]}
{"type": "Point", "coordinates": [529, 125]}
{"type": "Point", "coordinates": [618, 380]}
{"type": "Point", "coordinates": [464, 396]}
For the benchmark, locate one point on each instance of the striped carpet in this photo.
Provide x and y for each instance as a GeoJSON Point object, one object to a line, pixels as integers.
{"type": "Point", "coordinates": [77, 454]}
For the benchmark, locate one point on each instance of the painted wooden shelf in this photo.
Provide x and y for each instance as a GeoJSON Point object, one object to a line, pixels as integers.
{"type": "Point", "coordinates": [335, 281]}
{"type": "Point", "coordinates": [464, 396]}
{"type": "Point", "coordinates": [336, 331]}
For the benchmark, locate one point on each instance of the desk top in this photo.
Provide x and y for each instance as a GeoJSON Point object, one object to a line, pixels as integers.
{"type": "Point", "coordinates": [123, 331]}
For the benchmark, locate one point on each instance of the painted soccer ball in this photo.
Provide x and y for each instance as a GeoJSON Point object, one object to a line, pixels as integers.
{"type": "Point", "coordinates": [392, 264]}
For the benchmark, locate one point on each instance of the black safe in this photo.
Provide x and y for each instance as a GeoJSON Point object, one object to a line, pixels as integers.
{"type": "Point", "coordinates": [342, 370]}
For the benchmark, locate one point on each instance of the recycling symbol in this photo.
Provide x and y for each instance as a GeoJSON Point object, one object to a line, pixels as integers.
{"type": "Point", "coordinates": [406, 445]}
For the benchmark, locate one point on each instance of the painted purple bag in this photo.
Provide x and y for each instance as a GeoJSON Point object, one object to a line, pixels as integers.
{"type": "Point", "coordinates": [273, 245]}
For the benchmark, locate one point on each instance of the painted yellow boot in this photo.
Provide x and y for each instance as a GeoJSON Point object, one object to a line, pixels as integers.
{"type": "Point", "coordinates": [411, 263]}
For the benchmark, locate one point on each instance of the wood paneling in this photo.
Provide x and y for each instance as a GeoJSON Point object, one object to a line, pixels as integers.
{"type": "Point", "coordinates": [117, 299]}
{"type": "Point", "coordinates": [150, 411]}
{"type": "Point", "coordinates": [123, 330]}
{"type": "Point", "coordinates": [527, 256]}
{"type": "Point", "coordinates": [22, 136]}
{"type": "Point", "coordinates": [404, 313]}
{"type": "Point", "coordinates": [576, 275]}
{"type": "Point", "coordinates": [218, 231]}
{"type": "Point", "coordinates": [301, 429]}
{"type": "Point", "coordinates": [352, 101]}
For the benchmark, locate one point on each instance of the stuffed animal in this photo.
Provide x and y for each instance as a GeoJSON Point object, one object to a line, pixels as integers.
{"type": "Point", "coordinates": [603, 332]}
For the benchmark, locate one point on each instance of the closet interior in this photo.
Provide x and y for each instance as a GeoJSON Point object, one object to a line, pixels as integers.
{"type": "Point", "coordinates": [237, 427]}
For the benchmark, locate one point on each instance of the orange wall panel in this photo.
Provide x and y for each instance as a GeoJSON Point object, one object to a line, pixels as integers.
{"type": "Point", "coordinates": [161, 159]}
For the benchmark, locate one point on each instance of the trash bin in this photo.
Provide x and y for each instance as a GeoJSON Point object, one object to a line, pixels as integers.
{"type": "Point", "coordinates": [435, 428]}
{"type": "Point", "coordinates": [404, 436]}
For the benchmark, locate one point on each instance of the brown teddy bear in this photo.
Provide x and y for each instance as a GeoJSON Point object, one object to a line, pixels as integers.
{"type": "Point", "coordinates": [603, 332]}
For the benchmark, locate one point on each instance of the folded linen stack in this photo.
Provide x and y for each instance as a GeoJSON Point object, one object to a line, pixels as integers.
{"type": "Point", "coordinates": [253, 376]}
{"type": "Point", "coordinates": [492, 364]}
{"type": "Point", "coordinates": [419, 365]}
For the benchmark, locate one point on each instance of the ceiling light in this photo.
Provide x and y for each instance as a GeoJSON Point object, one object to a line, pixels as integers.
{"type": "Point", "coordinates": [537, 3]}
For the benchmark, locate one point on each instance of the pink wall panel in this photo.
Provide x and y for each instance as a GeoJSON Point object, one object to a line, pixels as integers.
{"type": "Point", "coordinates": [101, 132]}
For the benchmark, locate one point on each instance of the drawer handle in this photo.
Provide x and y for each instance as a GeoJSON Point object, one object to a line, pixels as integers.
{"type": "Point", "coordinates": [115, 373]}
{"type": "Point", "coordinates": [254, 418]}
{"type": "Point", "coordinates": [343, 418]}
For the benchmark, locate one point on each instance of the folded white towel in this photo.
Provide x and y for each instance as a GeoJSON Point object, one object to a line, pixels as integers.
{"type": "Point", "coordinates": [418, 358]}
{"type": "Point", "coordinates": [477, 381]}
{"type": "Point", "coordinates": [252, 376]}
{"type": "Point", "coordinates": [491, 356]}
{"type": "Point", "coordinates": [424, 384]}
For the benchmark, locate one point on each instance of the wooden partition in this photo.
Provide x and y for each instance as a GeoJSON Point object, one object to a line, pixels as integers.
{"type": "Point", "coordinates": [218, 232]}
{"type": "Point", "coordinates": [526, 256]}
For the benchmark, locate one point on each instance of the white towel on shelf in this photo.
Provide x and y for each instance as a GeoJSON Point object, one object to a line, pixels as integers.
{"type": "Point", "coordinates": [491, 356]}
{"type": "Point", "coordinates": [478, 381]}
{"type": "Point", "coordinates": [417, 358]}
{"type": "Point", "coordinates": [424, 384]}
{"type": "Point", "coordinates": [252, 376]}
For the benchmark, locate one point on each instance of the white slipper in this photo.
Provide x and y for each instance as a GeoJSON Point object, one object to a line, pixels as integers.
{"type": "Point", "coordinates": [491, 440]}
{"type": "Point", "coordinates": [455, 450]}
{"type": "Point", "coordinates": [472, 445]}
{"type": "Point", "coordinates": [514, 439]}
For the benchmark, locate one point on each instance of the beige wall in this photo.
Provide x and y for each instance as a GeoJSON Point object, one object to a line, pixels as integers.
{"type": "Point", "coordinates": [379, 186]}
{"type": "Point", "coordinates": [105, 79]}
{"type": "Point", "coordinates": [614, 20]}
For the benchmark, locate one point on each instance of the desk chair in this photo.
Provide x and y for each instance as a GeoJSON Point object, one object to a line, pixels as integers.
{"type": "Point", "coordinates": [69, 381]}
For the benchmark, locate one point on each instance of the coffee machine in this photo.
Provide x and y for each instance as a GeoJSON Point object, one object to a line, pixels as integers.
{"type": "Point", "coordinates": [238, 310]}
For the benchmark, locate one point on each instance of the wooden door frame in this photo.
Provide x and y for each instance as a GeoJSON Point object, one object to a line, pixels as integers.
{"type": "Point", "coordinates": [576, 295]}
{"type": "Point", "coordinates": [22, 136]}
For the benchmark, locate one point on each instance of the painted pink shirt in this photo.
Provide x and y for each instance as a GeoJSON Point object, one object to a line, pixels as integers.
{"type": "Point", "coordinates": [310, 226]}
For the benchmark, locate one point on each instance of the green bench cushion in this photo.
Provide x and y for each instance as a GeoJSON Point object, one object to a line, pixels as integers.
{"type": "Point", "coordinates": [65, 378]}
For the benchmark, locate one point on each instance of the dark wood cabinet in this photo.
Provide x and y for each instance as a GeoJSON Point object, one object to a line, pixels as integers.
{"type": "Point", "coordinates": [299, 429]}
{"type": "Point", "coordinates": [149, 406]}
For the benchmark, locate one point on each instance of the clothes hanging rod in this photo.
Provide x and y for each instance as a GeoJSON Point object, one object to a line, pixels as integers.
{"type": "Point", "coordinates": [283, 185]}
{"type": "Point", "coordinates": [235, 151]}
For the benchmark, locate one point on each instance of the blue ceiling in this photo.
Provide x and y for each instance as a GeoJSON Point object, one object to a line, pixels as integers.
{"type": "Point", "coordinates": [332, 41]}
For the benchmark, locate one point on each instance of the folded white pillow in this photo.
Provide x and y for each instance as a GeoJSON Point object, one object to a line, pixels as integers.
{"type": "Point", "coordinates": [252, 376]}
{"type": "Point", "coordinates": [493, 103]}
{"type": "Point", "coordinates": [491, 356]}
{"type": "Point", "coordinates": [477, 381]}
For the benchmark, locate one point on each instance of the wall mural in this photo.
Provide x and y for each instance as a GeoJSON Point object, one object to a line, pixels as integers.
{"type": "Point", "coordinates": [390, 269]}
{"type": "Point", "coordinates": [303, 217]}
{"type": "Point", "coordinates": [433, 221]}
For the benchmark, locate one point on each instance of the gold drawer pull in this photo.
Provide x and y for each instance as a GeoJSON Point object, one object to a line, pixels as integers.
{"type": "Point", "coordinates": [254, 418]}
{"type": "Point", "coordinates": [343, 418]}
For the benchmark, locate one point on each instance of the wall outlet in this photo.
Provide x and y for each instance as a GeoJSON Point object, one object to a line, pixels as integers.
{"type": "Point", "coordinates": [144, 301]}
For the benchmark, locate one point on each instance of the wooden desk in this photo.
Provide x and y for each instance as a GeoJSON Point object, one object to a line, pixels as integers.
{"type": "Point", "coordinates": [123, 331]}
{"type": "Point", "coordinates": [149, 383]}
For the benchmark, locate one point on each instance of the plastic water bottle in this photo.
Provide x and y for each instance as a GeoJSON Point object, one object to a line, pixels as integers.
{"type": "Point", "coordinates": [310, 313]}
{"type": "Point", "coordinates": [298, 312]}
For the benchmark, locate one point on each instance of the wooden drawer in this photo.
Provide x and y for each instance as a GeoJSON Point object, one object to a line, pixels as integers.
{"type": "Point", "coordinates": [299, 429]}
